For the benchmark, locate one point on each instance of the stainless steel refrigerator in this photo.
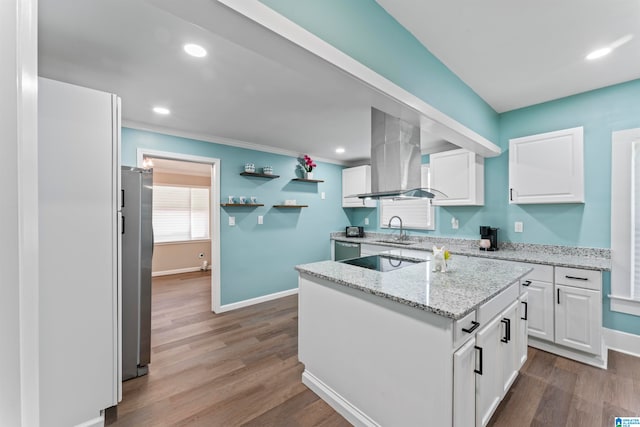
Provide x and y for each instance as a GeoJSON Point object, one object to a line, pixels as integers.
{"type": "Point", "coordinates": [137, 251]}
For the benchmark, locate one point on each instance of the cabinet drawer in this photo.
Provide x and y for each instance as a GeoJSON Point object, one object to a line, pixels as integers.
{"type": "Point", "coordinates": [541, 273]}
{"type": "Point", "coordinates": [469, 323]}
{"type": "Point", "coordinates": [369, 249]}
{"type": "Point", "coordinates": [587, 279]}
{"type": "Point", "coordinates": [491, 308]}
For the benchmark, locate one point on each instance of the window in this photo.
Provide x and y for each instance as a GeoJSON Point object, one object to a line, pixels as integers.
{"type": "Point", "coordinates": [415, 213]}
{"type": "Point", "coordinates": [180, 213]}
{"type": "Point", "coordinates": [625, 222]}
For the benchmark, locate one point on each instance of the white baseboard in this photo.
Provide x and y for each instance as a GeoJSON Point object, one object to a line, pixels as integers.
{"type": "Point", "coordinates": [337, 402]}
{"type": "Point", "coordinates": [589, 359]}
{"type": "Point", "coordinates": [96, 422]}
{"type": "Point", "coordinates": [176, 271]}
{"type": "Point", "coordinates": [622, 341]}
{"type": "Point", "coordinates": [258, 300]}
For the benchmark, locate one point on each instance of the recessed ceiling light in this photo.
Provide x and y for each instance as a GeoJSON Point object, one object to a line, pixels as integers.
{"type": "Point", "coordinates": [161, 110]}
{"type": "Point", "coordinates": [599, 53]}
{"type": "Point", "coordinates": [195, 50]}
{"type": "Point", "coordinates": [339, 150]}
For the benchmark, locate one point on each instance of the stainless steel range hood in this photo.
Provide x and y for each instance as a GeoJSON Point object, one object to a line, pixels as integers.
{"type": "Point", "coordinates": [395, 159]}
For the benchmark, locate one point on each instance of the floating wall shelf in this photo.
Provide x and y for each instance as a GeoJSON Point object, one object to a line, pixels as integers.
{"type": "Point", "coordinates": [307, 180]}
{"type": "Point", "coordinates": [291, 206]}
{"type": "Point", "coordinates": [259, 175]}
{"type": "Point", "coordinates": [241, 205]}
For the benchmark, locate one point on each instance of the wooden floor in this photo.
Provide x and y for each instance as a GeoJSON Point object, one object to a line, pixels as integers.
{"type": "Point", "coordinates": [241, 369]}
{"type": "Point", "coordinates": [238, 368]}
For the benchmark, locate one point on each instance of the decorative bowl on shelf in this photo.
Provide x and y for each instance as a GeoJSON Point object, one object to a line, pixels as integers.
{"type": "Point", "coordinates": [267, 170]}
{"type": "Point", "coordinates": [249, 167]}
{"type": "Point", "coordinates": [290, 202]}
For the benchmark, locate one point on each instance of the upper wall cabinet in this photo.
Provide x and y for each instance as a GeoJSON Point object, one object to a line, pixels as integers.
{"type": "Point", "coordinates": [547, 168]}
{"type": "Point", "coordinates": [460, 175]}
{"type": "Point", "coordinates": [356, 181]}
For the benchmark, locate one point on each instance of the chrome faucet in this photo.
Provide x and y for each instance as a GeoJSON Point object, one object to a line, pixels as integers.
{"type": "Point", "coordinates": [402, 235]}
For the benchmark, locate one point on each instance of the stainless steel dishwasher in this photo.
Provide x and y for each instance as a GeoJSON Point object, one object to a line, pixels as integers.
{"type": "Point", "coordinates": [345, 250]}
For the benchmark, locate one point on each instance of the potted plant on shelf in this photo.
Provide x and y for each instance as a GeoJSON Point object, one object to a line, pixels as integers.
{"type": "Point", "coordinates": [307, 165]}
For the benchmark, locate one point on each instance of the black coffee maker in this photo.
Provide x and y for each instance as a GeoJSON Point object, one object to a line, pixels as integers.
{"type": "Point", "coordinates": [488, 238]}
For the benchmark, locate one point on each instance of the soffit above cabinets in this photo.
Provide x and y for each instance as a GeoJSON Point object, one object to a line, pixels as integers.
{"type": "Point", "coordinates": [255, 88]}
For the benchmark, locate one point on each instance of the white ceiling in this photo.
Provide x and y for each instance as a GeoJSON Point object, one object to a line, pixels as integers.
{"type": "Point", "coordinates": [255, 88]}
{"type": "Point", "coordinates": [516, 53]}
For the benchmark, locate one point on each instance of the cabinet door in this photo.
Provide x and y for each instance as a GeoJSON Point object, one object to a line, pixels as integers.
{"type": "Point", "coordinates": [523, 320]}
{"type": "Point", "coordinates": [356, 181]}
{"type": "Point", "coordinates": [460, 175]}
{"type": "Point", "coordinates": [464, 385]}
{"type": "Point", "coordinates": [579, 318]}
{"type": "Point", "coordinates": [509, 346]}
{"type": "Point", "coordinates": [540, 306]}
{"type": "Point", "coordinates": [489, 381]}
{"type": "Point", "coordinates": [547, 168]}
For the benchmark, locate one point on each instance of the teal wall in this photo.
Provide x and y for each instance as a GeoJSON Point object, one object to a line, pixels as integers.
{"type": "Point", "coordinates": [366, 32]}
{"type": "Point", "coordinates": [258, 260]}
{"type": "Point", "coordinates": [600, 112]}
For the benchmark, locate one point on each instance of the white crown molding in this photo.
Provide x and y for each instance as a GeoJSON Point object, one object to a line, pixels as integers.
{"type": "Point", "coordinates": [224, 141]}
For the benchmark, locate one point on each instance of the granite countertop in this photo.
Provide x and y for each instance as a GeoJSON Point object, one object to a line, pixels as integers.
{"type": "Point", "coordinates": [560, 256]}
{"type": "Point", "coordinates": [467, 284]}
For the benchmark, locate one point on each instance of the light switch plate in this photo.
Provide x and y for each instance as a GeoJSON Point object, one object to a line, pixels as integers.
{"type": "Point", "coordinates": [366, 221]}
{"type": "Point", "coordinates": [518, 227]}
{"type": "Point", "coordinates": [232, 221]}
{"type": "Point", "coordinates": [260, 219]}
{"type": "Point", "coordinates": [322, 195]}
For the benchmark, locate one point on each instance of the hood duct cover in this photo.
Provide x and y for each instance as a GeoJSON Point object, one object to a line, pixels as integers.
{"type": "Point", "coordinates": [395, 159]}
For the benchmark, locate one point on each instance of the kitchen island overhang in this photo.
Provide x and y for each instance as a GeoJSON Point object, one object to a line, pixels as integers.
{"type": "Point", "coordinates": [380, 347]}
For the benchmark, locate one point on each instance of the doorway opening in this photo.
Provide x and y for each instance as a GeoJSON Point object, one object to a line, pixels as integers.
{"type": "Point", "coordinates": [204, 166]}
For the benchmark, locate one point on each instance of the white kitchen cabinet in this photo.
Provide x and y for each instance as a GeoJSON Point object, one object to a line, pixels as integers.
{"type": "Point", "coordinates": [547, 168]}
{"type": "Point", "coordinates": [523, 321]}
{"type": "Point", "coordinates": [356, 180]}
{"type": "Point", "coordinates": [464, 387]}
{"type": "Point", "coordinates": [540, 309]}
{"type": "Point", "coordinates": [579, 318]}
{"type": "Point", "coordinates": [489, 379]}
{"type": "Point", "coordinates": [460, 175]}
{"type": "Point", "coordinates": [510, 348]}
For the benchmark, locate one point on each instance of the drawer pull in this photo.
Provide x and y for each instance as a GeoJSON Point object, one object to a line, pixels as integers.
{"type": "Point", "coordinates": [479, 371]}
{"type": "Point", "coordinates": [474, 326]}
{"type": "Point", "coordinates": [526, 283]}
{"type": "Point", "coordinates": [507, 330]}
{"type": "Point", "coordinates": [558, 292]}
{"type": "Point", "coordinates": [576, 278]}
{"type": "Point", "coordinates": [526, 311]}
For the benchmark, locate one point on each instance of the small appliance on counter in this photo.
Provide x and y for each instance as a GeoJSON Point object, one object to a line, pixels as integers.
{"type": "Point", "coordinates": [353, 231]}
{"type": "Point", "coordinates": [488, 238]}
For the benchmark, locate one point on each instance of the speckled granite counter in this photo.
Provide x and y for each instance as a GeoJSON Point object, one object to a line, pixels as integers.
{"type": "Point", "coordinates": [560, 256]}
{"type": "Point", "coordinates": [467, 283]}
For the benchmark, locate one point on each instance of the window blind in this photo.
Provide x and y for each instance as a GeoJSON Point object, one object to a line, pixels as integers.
{"type": "Point", "coordinates": [415, 213]}
{"type": "Point", "coordinates": [180, 213]}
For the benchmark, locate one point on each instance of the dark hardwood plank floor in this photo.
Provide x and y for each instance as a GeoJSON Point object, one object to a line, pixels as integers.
{"type": "Point", "coordinates": [241, 369]}
{"type": "Point", "coordinates": [230, 369]}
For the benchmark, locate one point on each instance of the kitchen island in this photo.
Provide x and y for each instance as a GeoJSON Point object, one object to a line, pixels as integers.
{"type": "Point", "coordinates": [411, 346]}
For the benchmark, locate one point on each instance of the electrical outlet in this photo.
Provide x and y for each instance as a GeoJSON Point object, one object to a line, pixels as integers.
{"type": "Point", "coordinates": [260, 220]}
{"type": "Point", "coordinates": [366, 221]}
{"type": "Point", "coordinates": [518, 227]}
{"type": "Point", "coordinates": [454, 223]}
{"type": "Point", "coordinates": [322, 196]}
{"type": "Point", "coordinates": [232, 221]}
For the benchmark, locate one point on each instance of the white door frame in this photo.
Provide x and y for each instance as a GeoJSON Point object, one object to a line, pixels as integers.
{"type": "Point", "coordinates": [214, 210]}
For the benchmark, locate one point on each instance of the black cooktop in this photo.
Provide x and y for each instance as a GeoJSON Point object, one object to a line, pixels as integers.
{"type": "Point", "coordinates": [380, 262]}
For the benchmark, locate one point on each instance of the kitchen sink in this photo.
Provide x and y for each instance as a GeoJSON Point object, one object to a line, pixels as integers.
{"type": "Point", "coordinates": [395, 242]}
